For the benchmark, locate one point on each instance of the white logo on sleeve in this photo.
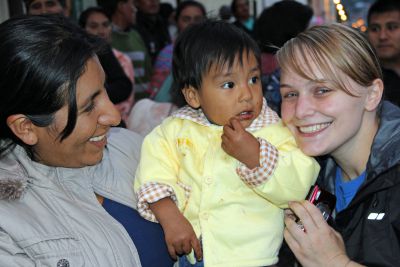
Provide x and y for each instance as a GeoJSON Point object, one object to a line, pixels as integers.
{"type": "Point", "coordinates": [376, 216]}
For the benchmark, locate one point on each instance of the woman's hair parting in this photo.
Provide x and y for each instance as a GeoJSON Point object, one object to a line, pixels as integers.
{"type": "Point", "coordinates": [335, 49]}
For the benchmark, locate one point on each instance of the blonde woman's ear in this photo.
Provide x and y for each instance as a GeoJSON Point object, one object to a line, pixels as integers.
{"type": "Point", "coordinates": [375, 94]}
{"type": "Point", "coordinates": [191, 96]}
{"type": "Point", "coordinates": [23, 128]}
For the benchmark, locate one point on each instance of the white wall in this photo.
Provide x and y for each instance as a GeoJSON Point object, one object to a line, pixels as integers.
{"type": "Point", "coordinates": [4, 15]}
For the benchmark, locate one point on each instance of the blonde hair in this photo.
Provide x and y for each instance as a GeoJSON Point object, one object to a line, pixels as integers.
{"type": "Point", "coordinates": [335, 49]}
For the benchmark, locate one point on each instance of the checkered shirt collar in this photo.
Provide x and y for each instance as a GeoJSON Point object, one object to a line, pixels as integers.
{"type": "Point", "coordinates": [267, 116]}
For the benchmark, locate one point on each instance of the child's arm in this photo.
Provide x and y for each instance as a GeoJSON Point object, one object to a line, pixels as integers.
{"type": "Point", "coordinates": [179, 234]}
{"type": "Point", "coordinates": [240, 144]}
{"type": "Point", "coordinates": [282, 174]}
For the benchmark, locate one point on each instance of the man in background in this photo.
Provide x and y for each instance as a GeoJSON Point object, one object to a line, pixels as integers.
{"type": "Point", "coordinates": [127, 39]}
{"type": "Point", "coordinates": [38, 7]}
{"type": "Point", "coordinates": [152, 26]}
{"type": "Point", "coordinates": [384, 35]}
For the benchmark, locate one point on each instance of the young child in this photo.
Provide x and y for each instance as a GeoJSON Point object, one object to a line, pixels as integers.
{"type": "Point", "coordinates": [217, 173]}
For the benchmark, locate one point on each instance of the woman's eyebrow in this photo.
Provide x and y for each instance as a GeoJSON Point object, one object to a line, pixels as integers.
{"type": "Point", "coordinates": [90, 98]}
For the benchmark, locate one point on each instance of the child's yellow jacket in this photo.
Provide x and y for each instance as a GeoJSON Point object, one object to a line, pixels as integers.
{"type": "Point", "coordinates": [240, 224]}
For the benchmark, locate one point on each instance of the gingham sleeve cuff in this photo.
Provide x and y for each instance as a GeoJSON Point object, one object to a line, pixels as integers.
{"type": "Point", "coordinates": [149, 193]}
{"type": "Point", "coordinates": [268, 162]}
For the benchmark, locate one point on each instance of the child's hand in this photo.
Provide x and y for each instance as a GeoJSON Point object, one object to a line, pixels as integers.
{"type": "Point", "coordinates": [179, 234]}
{"type": "Point", "coordinates": [181, 238]}
{"type": "Point", "coordinates": [240, 144]}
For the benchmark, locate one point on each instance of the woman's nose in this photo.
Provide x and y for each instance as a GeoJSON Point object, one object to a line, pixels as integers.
{"type": "Point", "coordinates": [110, 116]}
{"type": "Point", "coordinates": [304, 107]}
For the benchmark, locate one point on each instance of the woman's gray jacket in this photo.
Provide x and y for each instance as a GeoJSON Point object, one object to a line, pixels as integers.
{"type": "Point", "coordinates": [50, 216]}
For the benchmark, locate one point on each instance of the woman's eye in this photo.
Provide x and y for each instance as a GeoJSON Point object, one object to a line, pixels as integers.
{"type": "Point", "coordinates": [254, 80]}
{"type": "Point", "coordinates": [90, 107]}
{"type": "Point", "coordinates": [322, 90]}
{"type": "Point", "coordinates": [289, 95]}
{"type": "Point", "coordinates": [228, 85]}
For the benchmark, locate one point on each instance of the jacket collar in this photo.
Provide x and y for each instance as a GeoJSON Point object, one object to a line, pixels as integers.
{"type": "Point", "coordinates": [384, 154]}
{"type": "Point", "coordinates": [13, 179]}
{"type": "Point", "coordinates": [266, 117]}
{"type": "Point", "coordinates": [18, 171]}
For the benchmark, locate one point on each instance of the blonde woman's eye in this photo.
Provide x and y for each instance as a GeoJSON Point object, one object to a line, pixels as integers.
{"type": "Point", "coordinates": [289, 95]}
{"type": "Point", "coordinates": [228, 85]}
{"type": "Point", "coordinates": [322, 90]}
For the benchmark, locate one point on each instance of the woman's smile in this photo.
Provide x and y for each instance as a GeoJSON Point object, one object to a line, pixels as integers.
{"type": "Point", "coordinates": [313, 129]}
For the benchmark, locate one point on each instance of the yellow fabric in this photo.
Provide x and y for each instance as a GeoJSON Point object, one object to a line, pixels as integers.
{"type": "Point", "coordinates": [239, 225]}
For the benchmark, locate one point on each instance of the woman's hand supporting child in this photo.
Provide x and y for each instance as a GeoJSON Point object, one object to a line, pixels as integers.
{"type": "Point", "coordinates": [240, 144]}
{"type": "Point", "coordinates": [179, 234]}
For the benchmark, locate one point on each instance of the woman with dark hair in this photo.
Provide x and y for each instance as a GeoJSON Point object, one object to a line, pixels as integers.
{"type": "Point", "coordinates": [63, 168]}
{"type": "Point", "coordinates": [96, 21]}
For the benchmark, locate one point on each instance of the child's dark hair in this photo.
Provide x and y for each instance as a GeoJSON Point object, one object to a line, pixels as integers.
{"type": "Point", "coordinates": [202, 45]}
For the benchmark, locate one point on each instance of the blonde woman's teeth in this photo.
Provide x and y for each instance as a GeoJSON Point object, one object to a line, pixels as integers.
{"type": "Point", "coordinates": [314, 128]}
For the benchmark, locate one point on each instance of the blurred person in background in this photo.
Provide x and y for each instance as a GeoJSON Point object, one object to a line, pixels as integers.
{"type": "Point", "coordinates": [38, 7]}
{"type": "Point", "coordinates": [225, 13]}
{"type": "Point", "coordinates": [96, 21]}
{"type": "Point", "coordinates": [148, 113]}
{"type": "Point", "coordinates": [187, 13]}
{"type": "Point", "coordinates": [167, 12]}
{"type": "Point", "coordinates": [292, 18]}
{"type": "Point", "coordinates": [152, 26]}
{"type": "Point", "coordinates": [384, 35]}
{"type": "Point", "coordinates": [241, 11]}
{"type": "Point", "coordinates": [127, 39]}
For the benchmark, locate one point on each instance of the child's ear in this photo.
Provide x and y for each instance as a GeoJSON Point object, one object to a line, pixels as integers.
{"type": "Point", "coordinates": [23, 128]}
{"type": "Point", "coordinates": [375, 92]}
{"type": "Point", "coordinates": [191, 96]}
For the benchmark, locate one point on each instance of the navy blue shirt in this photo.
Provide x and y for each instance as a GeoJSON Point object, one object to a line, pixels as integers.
{"type": "Point", "coordinates": [147, 236]}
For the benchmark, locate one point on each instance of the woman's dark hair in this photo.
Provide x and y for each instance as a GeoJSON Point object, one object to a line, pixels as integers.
{"type": "Point", "coordinates": [292, 18]}
{"type": "Point", "coordinates": [89, 11]}
{"type": "Point", "coordinates": [166, 9]}
{"type": "Point", "coordinates": [203, 45]}
{"type": "Point", "coordinates": [110, 6]}
{"type": "Point", "coordinates": [42, 58]}
{"type": "Point", "coordinates": [185, 4]}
